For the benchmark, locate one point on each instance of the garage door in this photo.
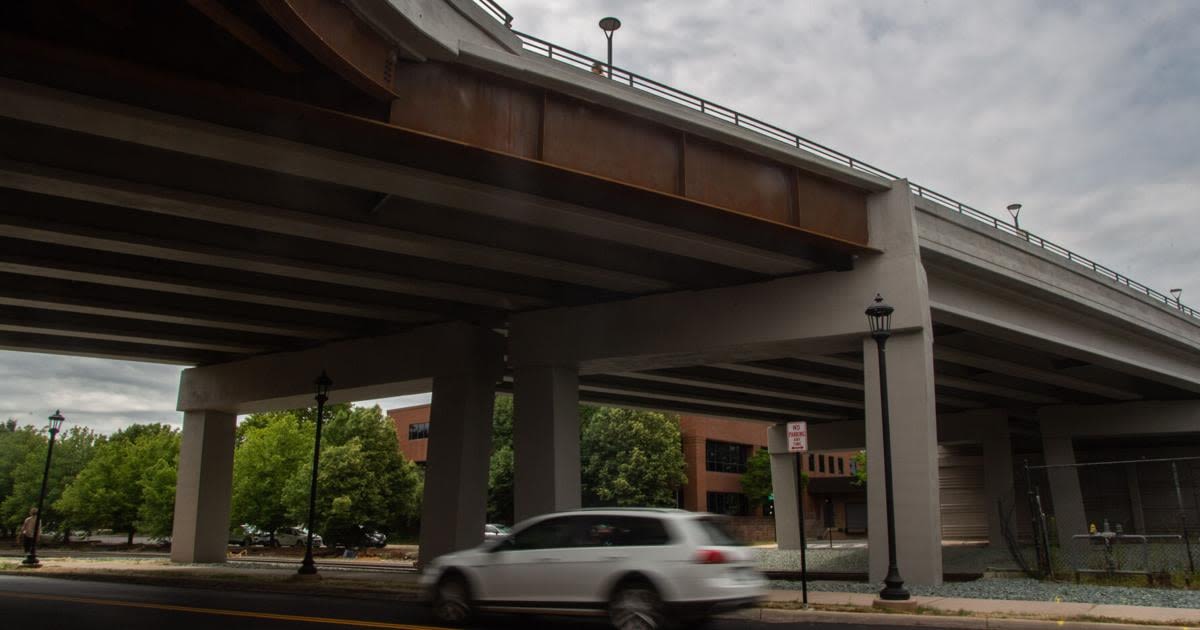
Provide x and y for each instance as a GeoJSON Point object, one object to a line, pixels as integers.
{"type": "Point", "coordinates": [964, 504]}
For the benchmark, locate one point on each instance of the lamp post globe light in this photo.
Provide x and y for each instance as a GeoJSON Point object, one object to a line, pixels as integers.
{"type": "Point", "coordinates": [31, 560]}
{"type": "Point", "coordinates": [879, 317]}
{"type": "Point", "coordinates": [609, 25]}
{"type": "Point", "coordinates": [323, 383]}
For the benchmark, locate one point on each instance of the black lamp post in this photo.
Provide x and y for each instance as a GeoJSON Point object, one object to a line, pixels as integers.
{"type": "Point", "coordinates": [1177, 293]}
{"type": "Point", "coordinates": [879, 315]}
{"type": "Point", "coordinates": [323, 383]}
{"type": "Point", "coordinates": [31, 560]}
{"type": "Point", "coordinates": [608, 25]}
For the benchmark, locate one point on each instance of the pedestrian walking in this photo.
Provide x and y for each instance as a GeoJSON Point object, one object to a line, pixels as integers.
{"type": "Point", "coordinates": [28, 535]}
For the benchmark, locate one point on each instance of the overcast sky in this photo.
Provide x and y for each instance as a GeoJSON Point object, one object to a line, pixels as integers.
{"type": "Point", "coordinates": [1086, 112]}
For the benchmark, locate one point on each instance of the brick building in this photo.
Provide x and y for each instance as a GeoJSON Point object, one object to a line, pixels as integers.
{"type": "Point", "coordinates": [715, 452]}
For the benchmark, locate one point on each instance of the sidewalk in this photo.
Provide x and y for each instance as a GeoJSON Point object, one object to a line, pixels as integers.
{"type": "Point", "coordinates": [383, 580]}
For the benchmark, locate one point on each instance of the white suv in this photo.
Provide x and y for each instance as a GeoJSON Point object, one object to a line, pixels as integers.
{"type": "Point", "coordinates": [640, 566]}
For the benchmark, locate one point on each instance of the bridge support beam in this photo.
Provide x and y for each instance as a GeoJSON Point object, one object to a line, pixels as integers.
{"type": "Point", "coordinates": [454, 509]}
{"type": "Point", "coordinates": [545, 440]}
{"type": "Point", "coordinates": [784, 482]}
{"type": "Point", "coordinates": [914, 460]}
{"type": "Point", "coordinates": [1065, 491]}
{"type": "Point", "coordinates": [204, 487]}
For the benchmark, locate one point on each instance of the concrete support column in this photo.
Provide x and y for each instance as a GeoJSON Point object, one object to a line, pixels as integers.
{"type": "Point", "coordinates": [545, 440]}
{"type": "Point", "coordinates": [456, 473]}
{"type": "Point", "coordinates": [204, 487]}
{"type": "Point", "coordinates": [914, 459]}
{"type": "Point", "coordinates": [1135, 499]}
{"type": "Point", "coordinates": [998, 471]}
{"type": "Point", "coordinates": [783, 485]}
{"type": "Point", "coordinates": [1065, 492]}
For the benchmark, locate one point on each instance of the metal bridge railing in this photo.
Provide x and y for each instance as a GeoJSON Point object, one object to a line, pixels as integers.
{"type": "Point", "coordinates": [496, 11]}
{"type": "Point", "coordinates": [704, 106]}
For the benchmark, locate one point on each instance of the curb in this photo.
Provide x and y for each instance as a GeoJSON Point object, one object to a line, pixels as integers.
{"type": "Point", "coordinates": [780, 615]}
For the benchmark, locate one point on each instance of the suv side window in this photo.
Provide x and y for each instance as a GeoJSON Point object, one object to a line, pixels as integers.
{"type": "Point", "coordinates": [619, 531]}
{"type": "Point", "coordinates": [549, 534]}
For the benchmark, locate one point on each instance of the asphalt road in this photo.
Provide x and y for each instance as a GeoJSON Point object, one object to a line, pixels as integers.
{"type": "Point", "coordinates": [52, 604]}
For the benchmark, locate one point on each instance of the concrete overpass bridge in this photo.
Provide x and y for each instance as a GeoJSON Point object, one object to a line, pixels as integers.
{"type": "Point", "coordinates": [415, 198]}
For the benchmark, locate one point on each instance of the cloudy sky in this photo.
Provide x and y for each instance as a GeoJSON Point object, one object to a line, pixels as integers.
{"type": "Point", "coordinates": [1086, 112]}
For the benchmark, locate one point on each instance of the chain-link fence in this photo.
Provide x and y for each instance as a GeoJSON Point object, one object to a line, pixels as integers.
{"type": "Point", "coordinates": [1129, 518]}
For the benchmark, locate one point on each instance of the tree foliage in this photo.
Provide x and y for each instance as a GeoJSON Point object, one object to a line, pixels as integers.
{"type": "Point", "coordinates": [630, 458]}
{"type": "Point", "coordinates": [362, 479]}
{"type": "Point", "coordinates": [271, 449]}
{"type": "Point", "coordinates": [500, 467]}
{"type": "Point", "coordinates": [756, 481]}
{"type": "Point", "coordinates": [73, 449]}
{"type": "Point", "coordinates": [860, 468]}
{"type": "Point", "coordinates": [129, 483]}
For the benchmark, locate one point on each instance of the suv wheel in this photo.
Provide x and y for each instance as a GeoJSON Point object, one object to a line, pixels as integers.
{"type": "Point", "coordinates": [452, 600]}
{"type": "Point", "coordinates": [636, 606]}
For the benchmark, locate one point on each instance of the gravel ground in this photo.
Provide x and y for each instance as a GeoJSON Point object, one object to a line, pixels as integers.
{"type": "Point", "coordinates": [1028, 590]}
{"type": "Point", "coordinates": [955, 559]}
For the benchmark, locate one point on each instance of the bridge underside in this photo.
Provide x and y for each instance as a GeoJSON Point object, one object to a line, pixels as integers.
{"type": "Point", "coordinates": [209, 184]}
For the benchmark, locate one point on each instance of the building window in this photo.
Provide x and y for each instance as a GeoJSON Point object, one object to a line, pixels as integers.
{"type": "Point", "coordinates": [730, 503]}
{"type": "Point", "coordinates": [811, 465]}
{"type": "Point", "coordinates": [841, 466]}
{"type": "Point", "coordinates": [418, 430]}
{"type": "Point", "coordinates": [821, 462]}
{"type": "Point", "coordinates": [726, 456]}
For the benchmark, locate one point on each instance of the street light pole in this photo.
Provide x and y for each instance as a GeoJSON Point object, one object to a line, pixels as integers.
{"type": "Point", "coordinates": [609, 25]}
{"type": "Point", "coordinates": [1015, 210]}
{"type": "Point", "coordinates": [307, 567]}
{"type": "Point", "coordinates": [879, 316]}
{"type": "Point", "coordinates": [31, 560]}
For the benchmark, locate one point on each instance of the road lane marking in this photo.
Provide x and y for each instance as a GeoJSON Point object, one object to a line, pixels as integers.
{"type": "Point", "coordinates": [219, 611]}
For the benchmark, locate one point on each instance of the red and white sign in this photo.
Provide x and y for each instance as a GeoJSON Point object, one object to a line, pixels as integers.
{"type": "Point", "coordinates": [797, 433]}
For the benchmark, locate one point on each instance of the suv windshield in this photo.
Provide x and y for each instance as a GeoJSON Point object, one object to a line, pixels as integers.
{"type": "Point", "coordinates": [718, 533]}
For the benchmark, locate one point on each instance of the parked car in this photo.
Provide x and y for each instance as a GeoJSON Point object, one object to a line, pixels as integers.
{"type": "Point", "coordinates": [296, 537]}
{"type": "Point", "coordinates": [355, 536]}
{"type": "Point", "coordinates": [246, 535]}
{"type": "Point", "coordinates": [643, 566]}
{"type": "Point", "coordinates": [494, 530]}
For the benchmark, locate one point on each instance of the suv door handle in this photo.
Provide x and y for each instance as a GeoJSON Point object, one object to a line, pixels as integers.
{"type": "Point", "coordinates": [616, 557]}
{"type": "Point", "coordinates": [547, 560]}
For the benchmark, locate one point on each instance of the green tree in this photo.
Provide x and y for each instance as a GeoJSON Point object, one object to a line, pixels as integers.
{"type": "Point", "coordinates": [16, 444]}
{"type": "Point", "coordinates": [859, 462]}
{"type": "Point", "coordinates": [111, 490]}
{"type": "Point", "coordinates": [756, 481]}
{"type": "Point", "coordinates": [500, 468]}
{"type": "Point", "coordinates": [73, 449]}
{"type": "Point", "coordinates": [363, 479]}
{"type": "Point", "coordinates": [630, 458]}
{"type": "Point", "coordinates": [272, 448]}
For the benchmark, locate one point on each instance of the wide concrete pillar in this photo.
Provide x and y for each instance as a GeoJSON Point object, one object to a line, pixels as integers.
{"type": "Point", "coordinates": [997, 471]}
{"type": "Point", "coordinates": [784, 482]}
{"type": "Point", "coordinates": [1136, 508]}
{"type": "Point", "coordinates": [545, 440]}
{"type": "Point", "coordinates": [203, 487]}
{"type": "Point", "coordinates": [1065, 492]}
{"type": "Point", "coordinates": [914, 459]}
{"type": "Point", "coordinates": [456, 471]}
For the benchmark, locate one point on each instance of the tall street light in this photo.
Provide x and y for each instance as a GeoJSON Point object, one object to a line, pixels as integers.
{"type": "Point", "coordinates": [879, 316]}
{"type": "Point", "coordinates": [1015, 209]}
{"type": "Point", "coordinates": [323, 383]}
{"type": "Point", "coordinates": [608, 25]}
{"type": "Point", "coordinates": [1176, 293]}
{"type": "Point", "coordinates": [31, 560]}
